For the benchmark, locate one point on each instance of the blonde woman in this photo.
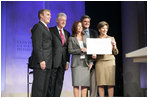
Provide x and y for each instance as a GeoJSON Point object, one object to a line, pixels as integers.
{"type": "Point", "coordinates": [105, 64]}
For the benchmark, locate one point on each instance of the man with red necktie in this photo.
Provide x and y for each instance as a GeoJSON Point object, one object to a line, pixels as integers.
{"type": "Point", "coordinates": [60, 56]}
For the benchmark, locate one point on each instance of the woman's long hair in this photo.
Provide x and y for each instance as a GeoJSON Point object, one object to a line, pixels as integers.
{"type": "Point", "coordinates": [74, 29]}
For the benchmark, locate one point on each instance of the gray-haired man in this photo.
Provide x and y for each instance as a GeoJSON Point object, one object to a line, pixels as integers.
{"type": "Point", "coordinates": [60, 56]}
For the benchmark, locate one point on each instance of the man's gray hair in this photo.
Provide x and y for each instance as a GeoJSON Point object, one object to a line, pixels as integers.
{"type": "Point", "coordinates": [61, 14]}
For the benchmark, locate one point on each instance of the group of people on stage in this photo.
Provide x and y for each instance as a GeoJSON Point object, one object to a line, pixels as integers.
{"type": "Point", "coordinates": [51, 54]}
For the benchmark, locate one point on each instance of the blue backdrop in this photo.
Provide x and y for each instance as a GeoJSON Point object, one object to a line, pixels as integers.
{"type": "Point", "coordinates": [18, 17]}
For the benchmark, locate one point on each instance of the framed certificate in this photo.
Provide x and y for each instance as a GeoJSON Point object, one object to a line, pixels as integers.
{"type": "Point", "coordinates": [99, 46]}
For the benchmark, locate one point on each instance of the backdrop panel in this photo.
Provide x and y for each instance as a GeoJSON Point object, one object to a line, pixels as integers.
{"type": "Point", "coordinates": [18, 18]}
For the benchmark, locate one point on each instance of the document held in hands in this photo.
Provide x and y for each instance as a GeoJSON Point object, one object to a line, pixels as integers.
{"type": "Point", "coordinates": [99, 46]}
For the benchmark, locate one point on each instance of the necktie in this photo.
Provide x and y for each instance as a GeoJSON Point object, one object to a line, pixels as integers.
{"type": "Point", "coordinates": [47, 28]}
{"type": "Point", "coordinates": [86, 31]}
{"type": "Point", "coordinates": [62, 37]}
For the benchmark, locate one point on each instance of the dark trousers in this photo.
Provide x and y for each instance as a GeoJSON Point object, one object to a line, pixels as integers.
{"type": "Point", "coordinates": [56, 82]}
{"type": "Point", "coordinates": [40, 82]}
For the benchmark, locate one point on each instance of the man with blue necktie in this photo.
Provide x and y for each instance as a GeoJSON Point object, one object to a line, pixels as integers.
{"type": "Point", "coordinates": [85, 19]}
{"type": "Point", "coordinates": [87, 32]}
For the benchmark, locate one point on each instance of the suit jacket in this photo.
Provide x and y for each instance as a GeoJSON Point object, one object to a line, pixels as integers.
{"type": "Point", "coordinates": [60, 52]}
{"type": "Point", "coordinates": [109, 56]}
{"type": "Point", "coordinates": [42, 46]}
{"type": "Point", "coordinates": [75, 50]}
{"type": "Point", "coordinates": [93, 33]}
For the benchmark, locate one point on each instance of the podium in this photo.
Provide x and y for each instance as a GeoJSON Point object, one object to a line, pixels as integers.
{"type": "Point", "coordinates": [139, 55]}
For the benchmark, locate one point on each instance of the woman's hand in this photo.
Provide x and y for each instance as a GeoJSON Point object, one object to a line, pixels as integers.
{"type": "Point", "coordinates": [113, 44]}
{"type": "Point", "coordinates": [67, 66]}
{"type": "Point", "coordinates": [94, 56]}
{"type": "Point", "coordinates": [83, 49]}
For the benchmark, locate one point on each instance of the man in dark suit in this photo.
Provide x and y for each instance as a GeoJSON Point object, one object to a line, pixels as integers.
{"type": "Point", "coordinates": [41, 54]}
{"type": "Point", "coordinates": [85, 19]}
{"type": "Point", "coordinates": [60, 55]}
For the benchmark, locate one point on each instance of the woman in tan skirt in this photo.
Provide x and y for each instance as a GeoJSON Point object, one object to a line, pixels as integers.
{"type": "Point", "coordinates": [105, 64]}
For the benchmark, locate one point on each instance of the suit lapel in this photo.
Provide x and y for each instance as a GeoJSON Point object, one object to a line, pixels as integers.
{"type": "Point", "coordinates": [84, 39]}
{"type": "Point", "coordinates": [65, 35]}
{"type": "Point", "coordinates": [76, 41]}
{"type": "Point", "coordinates": [57, 33]}
{"type": "Point", "coordinates": [43, 26]}
{"type": "Point", "coordinates": [91, 36]}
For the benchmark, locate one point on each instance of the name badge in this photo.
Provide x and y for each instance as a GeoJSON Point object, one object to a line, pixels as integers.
{"type": "Point", "coordinates": [82, 57]}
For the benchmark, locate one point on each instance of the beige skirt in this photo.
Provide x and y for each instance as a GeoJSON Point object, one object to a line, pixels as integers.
{"type": "Point", "coordinates": [105, 72]}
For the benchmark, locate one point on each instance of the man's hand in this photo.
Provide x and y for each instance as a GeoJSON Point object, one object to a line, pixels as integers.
{"type": "Point", "coordinates": [43, 65]}
{"type": "Point", "coordinates": [89, 66]}
{"type": "Point", "coordinates": [67, 66]}
{"type": "Point", "coordinates": [94, 56]}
